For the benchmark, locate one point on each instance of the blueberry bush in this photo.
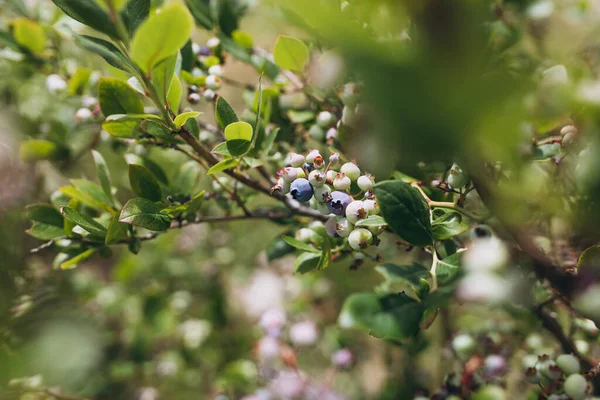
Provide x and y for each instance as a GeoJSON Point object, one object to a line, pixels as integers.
{"type": "Point", "coordinates": [315, 199]}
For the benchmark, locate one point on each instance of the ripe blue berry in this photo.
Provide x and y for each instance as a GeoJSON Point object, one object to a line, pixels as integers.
{"type": "Point", "coordinates": [301, 190]}
{"type": "Point", "coordinates": [338, 202]}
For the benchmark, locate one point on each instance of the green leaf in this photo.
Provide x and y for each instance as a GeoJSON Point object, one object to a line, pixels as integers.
{"type": "Point", "coordinates": [106, 50]}
{"type": "Point", "coordinates": [223, 165]}
{"type": "Point", "coordinates": [224, 113]}
{"type": "Point", "coordinates": [409, 273]}
{"type": "Point", "coordinates": [106, 4]}
{"type": "Point", "coordinates": [226, 13]}
{"type": "Point", "coordinates": [243, 38]}
{"type": "Point", "coordinates": [300, 116]}
{"type": "Point", "coordinates": [187, 178]}
{"type": "Point", "coordinates": [146, 214]}
{"type": "Point", "coordinates": [372, 220]}
{"type": "Point", "coordinates": [158, 130]}
{"type": "Point", "coordinates": [174, 96]}
{"type": "Point", "coordinates": [392, 316]}
{"type": "Point", "coordinates": [92, 191]}
{"type": "Point", "coordinates": [123, 129]}
{"type": "Point", "coordinates": [201, 12]}
{"type": "Point", "coordinates": [134, 13]}
{"type": "Point", "coordinates": [117, 231]}
{"type": "Point", "coordinates": [278, 248]}
{"type": "Point", "coordinates": [161, 35]}
{"type": "Point", "coordinates": [162, 75]}
{"type": "Point", "coordinates": [306, 262]}
{"type": "Point", "coordinates": [290, 53]}
{"type": "Point", "coordinates": [144, 183]}
{"type": "Point", "coordinates": [325, 258]}
{"type": "Point", "coordinates": [87, 223]}
{"type": "Point", "coordinates": [448, 268]}
{"type": "Point", "coordinates": [29, 34]}
{"type": "Point", "coordinates": [300, 245]}
{"type": "Point", "coordinates": [38, 149]}
{"type": "Point", "coordinates": [259, 94]}
{"type": "Point", "coordinates": [183, 117]}
{"type": "Point", "coordinates": [103, 176]}
{"type": "Point", "coordinates": [238, 131]}
{"type": "Point", "coordinates": [150, 165]}
{"type": "Point", "coordinates": [269, 141]}
{"type": "Point", "coordinates": [44, 213]}
{"type": "Point", "coordinates": [405, 211]}
{"type": "Point", "coordinates": [117, 97]}
{"type": "Point", "coordinates": [78, 259]}
{"type": "Point", "coordinates": [448, 224]}
{"type": "Point", "coordinates": [232, 148]}
{"type": "Point", "coordinates": [132, 117]}
{"type": "Point", "coordinates": [73, 193]}
{"type": "Point", "coordinates": [78, 81]}
{"type": "Point", "coordinates": [42, 231]}
{"type": "Point", "coordinates": [88, 13]}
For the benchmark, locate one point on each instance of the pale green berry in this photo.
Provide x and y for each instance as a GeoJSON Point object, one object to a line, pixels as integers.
{"type": "Point", "coordinates": [300, 173]}
{"type": "Point", "coordinates": [348, 116]}
{"type": "Point", "coordinates": [360, 238]}
{"type": "Point", "coordinates": [490, 392]}
{"type": "Point", "coordinates": [317, 178]}
{"type": "Point", "coordinates": [575, 387]}
{"type": "Point", "coordinates": [343, 227]}
{"type": "Point", "coordinates": [213, 82]}
{"type": "Point", "coordinates": [216, 70]}
{"type": "Point", "coordinates": [322, 193]}
{"type": "Point", "coordinates": [371, 206]}
{"type": "Point", "coordinates": [324, 119]}
{"type": "Point", "coordinates": [376, 230]}
{"type": "Point", "coordinates": [305, 235]}
{"type": "Point", "coordinates": [568, 364]}
{"type": "Point", "coordinates": [355, 211]}
{"type": "Point", "coordinates": [342, 182]}
{"type": "Point", "coordinates": [351, 170]}
{"type": "Point", "coordinates": [331, 174]}
{"type": "Point", "coordinates": [464, 345]}
{"type": "Point", "coordinates": [365, 182]}
{"type": "Point", "coordinates": [350, 95]}
{"type": "Point", "coordinates": [290, 174]}
{"type": "Point", "coordinates": [323, 209]}
{"type": "Point", "coordinates": [317, 133]}
{"type": "Point", "coordinates": [457, 178]}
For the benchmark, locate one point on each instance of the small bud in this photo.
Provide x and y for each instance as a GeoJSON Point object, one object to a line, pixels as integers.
{"type": "Point", "coordinates": [342, 358]}
{"type": "Point", "coordinates": [216, 70]}
{"type": "Point", "coordinates": [303, 333]}
{"type": "Point", "coordinates": [193, 98]}
{"type": "Point", "coordinates": [295, 159]}
{"type": "Point", "coordinates": [83, 114]}
{"type": "Point", "coordinates": [334, 158]}
{"type": "Point", "coordinates": [331, 135]}
{"type": "Point", "coordinates": [213, 42]}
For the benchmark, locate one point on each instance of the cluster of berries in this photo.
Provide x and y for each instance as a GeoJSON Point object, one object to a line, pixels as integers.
{"type": "Point", "coordinates": [211, 77]}
{"type": "Point", "coordinates": [311, 180]}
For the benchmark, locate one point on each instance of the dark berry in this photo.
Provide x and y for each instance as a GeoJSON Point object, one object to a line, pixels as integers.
{"type": "Point", "coordinates": [338, 202]}
{"type": "Point", "coordinates": [301, 190]}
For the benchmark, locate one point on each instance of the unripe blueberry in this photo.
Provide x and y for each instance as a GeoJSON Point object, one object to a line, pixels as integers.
{"type": "Point", "coordinates": [568, 364]}
{"type": "Point", "coordinates": [300, 173]}
{"type": "Point", "coordinates": [209, 95]}
{"type": "Point", "coordinates": [342, 358]}
{"type": "Point", "coordinates": [314, 157]}
{"type": "Point", "coordinates": [213, 42]}
{"type": "Point", "coordinates": [490, 392]}
{"type": "Point", "coordinates": [322, 208]}
{"type": "Point", "coordinates": [301, 190]}
{"type": "Point", "coordinates": [215, 70]}
{"type": "Point", "coordinates": [533, 375]}
{"type": "Point", "coordinates": [351, 170]}
{"type": "Point", "coordinates": [317, 178]}
{"type": "Point", "coordinates": [365, 182]}
{"type": "Point", "coordinates": [568, 129]}
{"type": "Point", "coordinates": [55, 83]}
{"type": "Point", "coordinates": [289, 174]}
{"type": "Point", "coordinates": [305, 235]}
{"type": "Point", "coordinates": [83, 114]}
{"type": "Point", "coordinates": [338, 202]}
{"type": "Point", "coordinates": [360, 238]}
{"type": "Point", "coordinates": [576, 387]}
{"type": "Point", "coordinates": [331, 174]}
{"type": "Point", "coordinates": [371, 206]}
{"type": "Point", "coordinates": [342, 182]}
{"type": "Point", "coordinates": [196, 48]}
{"type": "Point", "coordinates": [344, 227]}
{"type": "Point", "coordinates": [324, 119]}
{"type": "Point", "coordinates": [546, 367]}
{"type": "Point", "coordinates": [322, 194]}
{"type": "Point", "coordinates": [355, 211]}
{"type": "Point", "coordinates": [197, 72]}
{"type": "Point", "coordinates": [295, 159]}
{"type": "Point", "coordinates": [213, 82]}
{"type": "Point", "coordinates": [331, 226]}
{"type": "Point", "coordinates": [331, 135]}
{"type": "Point", "coordinates": [89, 101]}
{"type": "Point", "coordinates": [194, 98]}
{"type": "Point", "coordinates": [303, 333]}
{"type": "Point", "coordinates": [464, 345]}
{"type": "Point", "coordinates": [494, 364]}
{"type": "Point", "coordinates": [272, 321]}
{"type": "Point", "coordinates": [457, 178]}
{"type": "Point", "coordinates": [316, 133]}
{"type": "Point", "coordinates": [334, 158]}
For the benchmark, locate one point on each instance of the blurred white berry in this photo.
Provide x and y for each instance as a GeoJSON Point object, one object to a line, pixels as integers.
{"type": "Point", "coordinates": [216, 70]}
{"type": "Point", "coordinates": [268, 348]}
{"type": "Point", "coordinates": [324, 119]}
{"type": "Point", "coordinates": [287, 385]}
{"type": "Point", "coordinates": [295, 159]}
{"type": "Point", "coordinates": [483, 286]}
{"type": "Point", "coordinates": [342, 358]}
{"type": "Point", "coordinates": [83, 114]}
{"type": "Point", "coordinates": [303, 333]}
{"type": "Point", "coordinates": [213, 42]}
{"type": "Point", "coordinates": [272, 321]}
{"type": "Point", "coordinates": [365, 182]}
{"type": "Point", "coordinates": [486, 254]}
{"type": "Point", "coordinates": [331, 135]}
{"type": "Point", "coordinates": [55, 83]}
{"type": "Point", "coordinates": [213, 82]}
{"type": "Point", "coordinates": [89, 101]}
{"type": "Point", "coordinates": [209, 94]}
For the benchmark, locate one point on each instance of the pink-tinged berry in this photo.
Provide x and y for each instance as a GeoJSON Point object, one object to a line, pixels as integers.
{"type": "Point", "coordinates": [342, 358]}
{"type": "Point", "coordinates": [334, 158]}
{"type": "Point", "coordinates": [338, 202]}
{"type": "Point", "coordinates": [272, 321]}
{"type": "Point", "coordinates": [268, 348]}
{"type": "Point", "coordinates": [314, 157]}
{"type": "Point", "coordinates": [295, 160]}
{"type": "Point", "coordinates": [355, 211]}
{"type": "Point", "coordinates": [289, 174]}
{"type": "Point", "coordinates": [83, 114]}
{"type": "Point", "coordinates": [331, 135]}
{"type": "Point", "coordinates": [360, 238]}
{"type": "Point", "coordinates": [351, 170]}
{"type": "Point", "coordinates": [216, 70]}
{"type": "Point", "coordinates": [342, 182]}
